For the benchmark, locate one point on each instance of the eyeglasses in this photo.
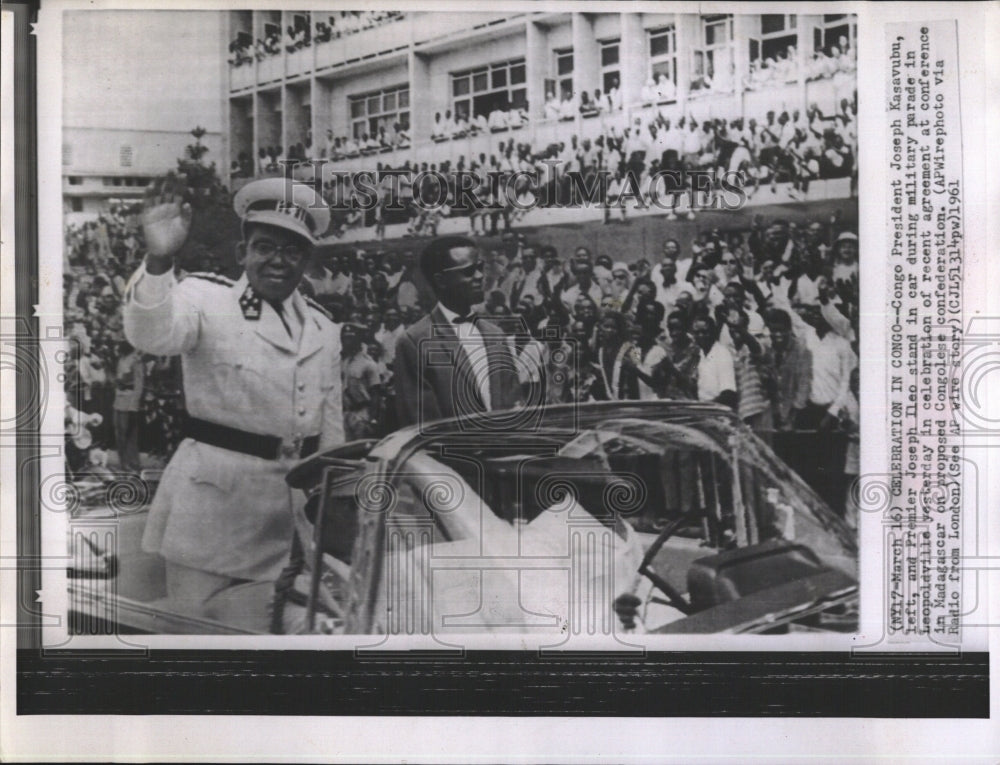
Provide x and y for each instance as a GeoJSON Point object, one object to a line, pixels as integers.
{"type": "Point", "coordinates": [729, 262]}
{"type": "Point", "coordinates": [293, 252]}
{"type": "Point", "coordinates": [469, 270]}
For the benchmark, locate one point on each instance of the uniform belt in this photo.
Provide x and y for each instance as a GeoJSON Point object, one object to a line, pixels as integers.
{"type": "Point", "coordinates": [254, 444]}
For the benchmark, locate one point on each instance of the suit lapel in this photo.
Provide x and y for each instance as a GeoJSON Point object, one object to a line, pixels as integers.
{"type": "Point", "coordinates": [262, 317]}
{"type": "Point", "coordinates": [466, 386]}
{"type": "Point", "coordinates": [270, 327]}
{"type": "Point", "coordinates": [500, 357]}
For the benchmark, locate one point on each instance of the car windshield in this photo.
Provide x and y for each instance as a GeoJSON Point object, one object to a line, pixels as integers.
{"type": "Point", "coordinates": [649, 474]}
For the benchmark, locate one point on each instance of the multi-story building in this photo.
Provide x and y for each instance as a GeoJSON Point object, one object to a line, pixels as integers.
{"type": "Point", "coordinates": [103, 165]}
{"type": "Point", "coordinates": [135, 83]}
{"type": "Point", "coordinates": [402, 69]}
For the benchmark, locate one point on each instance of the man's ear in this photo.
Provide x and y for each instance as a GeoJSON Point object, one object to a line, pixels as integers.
{"type": "Point", "coordinates": [241, 253]}
{"type": "Point", "coordinates": [437, 282]}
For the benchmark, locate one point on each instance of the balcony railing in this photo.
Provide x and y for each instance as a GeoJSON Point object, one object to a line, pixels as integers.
{"type": "Point", "coordinates": [368, 43]}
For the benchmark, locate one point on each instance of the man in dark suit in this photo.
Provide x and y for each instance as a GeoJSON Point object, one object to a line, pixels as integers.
{"type": "Point", "coordinates": [453, 363]}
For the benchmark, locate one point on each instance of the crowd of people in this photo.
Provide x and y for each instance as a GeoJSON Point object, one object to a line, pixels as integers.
{"type": "Point", "coordinates": [795, 147]}
{"type": "Point", "coordinates": [117, 400]}
{"type": "Point", "coordinates": [243, 49]}
{"type": "Point", "coordinates": [763, 320]}
{"type": "Point", "coordinates": [838, 63]}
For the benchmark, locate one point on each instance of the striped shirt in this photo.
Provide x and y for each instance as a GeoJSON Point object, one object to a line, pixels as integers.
{"type": "Point", "coordinates": [748, 383]}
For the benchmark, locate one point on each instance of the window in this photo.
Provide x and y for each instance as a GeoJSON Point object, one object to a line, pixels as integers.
{"type": "Point", "coordinates": [76, 204]}
{"type": "Point", "coordinates": [836, 29]}
{"type": "Point", "coordinates": [777, 35]}
{"type": "Point", "coordinates": [610, 71]}
{"type": "Point", "coordinates": [125, 156]}
{"type": "Point", "coordinates": [74, 180]}
{"type": "Point", "coordinates": [564, 72]}
{"type": "Point", "coordinates": [663, 54]}
{"type": "Point", "coordinates": [477, 92]}
{"type": "Point", "coordinates": [380, 109]}
{"type": "Point", "coordinates": [712, 61]}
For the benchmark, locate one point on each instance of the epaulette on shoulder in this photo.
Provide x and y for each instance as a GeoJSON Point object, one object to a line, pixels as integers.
{"type": "Point", "coordinates": [313, 304]}
{"type": "Point", "coordinates": [208, 276]}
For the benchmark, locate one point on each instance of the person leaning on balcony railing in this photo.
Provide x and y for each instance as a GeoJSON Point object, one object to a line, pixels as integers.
{"type": "Point", "coordinates": [497, 120]}
{"type": "Point", "coordinates": [615, 95]}
{"type": "Point", "coordinates": [437, 128]}
{"type": "Point", "coordinates": [552, 107]}
{"type": "Point", "coordinates": [448, 128]}
{"type": "Point", "coordinates": [402, 134]}
{"type": "Point", "coordinates": [460, 127]}
{"type": "Point", "coordinates": [477, 124]}
{"type": "Point", "coordinates": [323, 32]}
{"type": "Point", "coordinates": [567, 107]}
{"type": "Point", "coordinates": [587, 107]}
{"type": "Point", "coordinates": [600, 101]}
{"type": "Point", "coordinates": [665, 88]}
{"type": "Point", "coordinates": [648, 95]}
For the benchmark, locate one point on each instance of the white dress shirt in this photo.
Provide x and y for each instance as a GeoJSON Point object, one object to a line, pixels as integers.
{"type": "Point", "coordinates": [716, 373]}
{"type": "Point", "coordinates": [471, 340]}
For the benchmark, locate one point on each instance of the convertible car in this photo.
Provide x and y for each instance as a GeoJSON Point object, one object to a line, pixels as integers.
{"type": "Point", "coordinates": [639, 517]}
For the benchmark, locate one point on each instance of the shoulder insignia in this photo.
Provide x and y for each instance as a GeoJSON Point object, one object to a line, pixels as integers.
{"type": "Point", "coordinates": [313, 304]}
{"type": "Point", "coordinates": [210, 277]}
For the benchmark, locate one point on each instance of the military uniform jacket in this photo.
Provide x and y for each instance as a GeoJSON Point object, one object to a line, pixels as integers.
{"type": "Point", "coordinates": [219, 510]}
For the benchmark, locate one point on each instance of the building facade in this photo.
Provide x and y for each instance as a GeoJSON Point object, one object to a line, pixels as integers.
{"type": "Point", "coordinates": [135, 83]}
{"type": "Point", "coordinates": [293, 81]}
{"type": "Point", "coordinates": [102, 165]}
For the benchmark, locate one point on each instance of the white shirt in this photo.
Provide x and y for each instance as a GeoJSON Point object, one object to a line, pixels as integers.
{"type": "Point", "coordinates": [569, 296]}
{"type": "Point", "coordinates": [530, 361]}
{"type": "Point", "coordinates": [667, 296]}
{"type": "Point", "coordinates": [654, 356]}
{"type": "Point", "coordinates": [388, 338]}
{"type": "Point", "coordinates": [498, 119]}
{"type": "Point", "coordinates": [832, 364]}
{"type": "Point", "coordinates": [692, 142]}
{"type": "Point", "coordinates": [471, 340]}
{"type": "Point", "coordinates": [716, 373]}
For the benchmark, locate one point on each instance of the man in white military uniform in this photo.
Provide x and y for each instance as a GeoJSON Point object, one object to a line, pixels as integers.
{"type": "Point", "coordinates": [261, 381]}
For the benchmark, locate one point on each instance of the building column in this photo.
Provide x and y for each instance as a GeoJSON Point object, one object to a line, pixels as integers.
{"type": "Point", "coordinates": [633, 58]}
{"type": "Point", "coordinates": [805, 26]}
{"type": "Point", "coordinates": [688, 38]}
{"type": "Point", "coordinates": [286, 132]}
{"type": "Point", "coordinates": [586, 55]}
{"type": "Point", "coordinates": [744, 28]}
{"type": "Point", "coordinates": [256, 111]}
{"type": "Point", "coordinates": [535, 68]}
{"type": "Point", "coordinates": [421, 118]}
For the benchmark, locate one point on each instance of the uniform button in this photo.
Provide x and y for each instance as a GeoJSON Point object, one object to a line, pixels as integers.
{"type": "Point", "coordinates": [302, 411]}
{"type": "Point", "coordinates": [302, 386]}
